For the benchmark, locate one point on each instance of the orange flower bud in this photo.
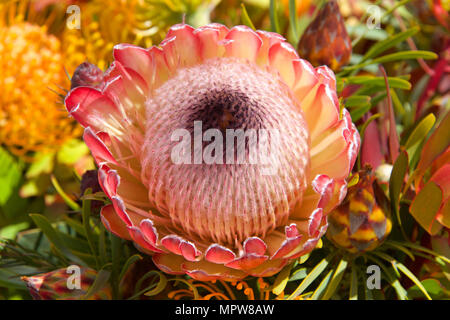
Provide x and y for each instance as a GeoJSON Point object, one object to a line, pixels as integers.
{"type": "Point", "coordinates": [326, 41]}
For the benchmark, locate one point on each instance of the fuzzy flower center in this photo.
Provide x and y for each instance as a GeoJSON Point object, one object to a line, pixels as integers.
{"type": "Point", "coordinates": [226, 151]}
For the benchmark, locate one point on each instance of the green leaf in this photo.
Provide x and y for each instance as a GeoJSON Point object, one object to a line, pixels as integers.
{"type": "Point", "coordinates": [396, 181]}
{"type": "Point", "coordinates": [406, 55]}
{"type": "Point", "coordinates": [423, 249]}
{"type": "Point", "coordinates": [438, 142]}
{"type": "Point", "coordinates": [336, 279]}
{"type": "Point", "coordinates": [299, 274]}
{"type": "Point", "coordinates": [358, 113]}
{"type": "Point", "coordinates": [402, 55]}
{"type": "Point", "coordinates": [390, 42]}
{"type": "Point", "coordinates": [43, 164]}
{"type": "Point", "coordinates": [131, 260]}
{"type": "Point", "coordinates": [162, 283]}
{"type": "Point", "coordinates": [85, 214]}
{"type": "Point", "coordinates": [72, 204]}
{"type": "Point", "coordinates": [273, 12]}
{"type": "Point", "coordinates": [245, 17]}
{"type": "Point", "coordinates": [394, 82]}
{"type": "Point", "coordinates": [353, 295]}
{"type": "Point", "coordinates": [10, 231]}
{"type": "Point", "coordinates": [394, 7]}
{"type": "Point", "coordinates": [55, 239]}
{"type": "Point", "coordinates": [293, 20]}
{"type": "Point", "coordinates": [318, 269]}
{"type": "Point", "coordinates": [364, 126]}
{"type": "Point", "coordinates": [411, 276]}
{"type": "Point", "coordinates": [425, 207]}
{"type": "Point", "coordinates": [419, 134]}
{"type": "Point", "coordinates": [10, 176]}
{"type": "Point", "coordinates": [322, 286]}
{"type": "Point", "coordinates": [281, 280]}
{"type": "Point", "coordinates": [434, 288]}
{"type": "Point", "coordinates": [401, 248]}
{"type": "Point", "coordinates": [356, 101]}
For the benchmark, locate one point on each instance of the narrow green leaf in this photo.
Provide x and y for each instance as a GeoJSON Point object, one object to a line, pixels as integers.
{"type": "Point", "coordinates": [394, 82]}
{"type": "Point", "coordinates": [76, 225]}
{"type": "Point", "coordinates": [399, 247]}
{"type": "Point", "coordinates": [356, 101]}
{"type": "Point", "coordinates": [115, 259]}
{"type": "Point", "coordinates": [423, 249]}
{"type": "Point", "coordinates": [53, 236]}
{"type": "Point", "coordinates": [413, 278]}
{"type": "Point", "coordinates": [318, 269]}
{"type": "Point", "coordinates": [419, 134]}
{"type": "Point", "coordinates": [364, 126]}
{"type": "Point", "coordinates": [390, 42]}
{"type": "Point", "coordinates": [85, 213]}
{"type": "Point", "coordinates": [162, 283]}
{"type": "Point", "coordinates": [293, 20]}
{"type": "Point", "coordinates": [394, 7]}
{"type": "Point", "coordinates": [406, 55]}
{"type": "Point", "coordinates": [281, 280]}
{"type": "Point", "coordinates": [396, 182]}
{"type": "Point", "coordinates": [336, 279]}
{"type": "Point", "coordinates": [322, 286]}
{"type": "Point", "coordinates": [353, 295]}
{"type": "Point", "coordinates": [299, 274]}
{"type": "Point", "coordinates": [72, 204]}
{"type": "Point", "coordinates": [274, 22]}
{"type": "Point", "coordinates": [402, 55]}
{"type": "Point", "coordinates": [246, 18]}
{"type": "Point", "coordinates": [398, 105]}
{"type": "Point", "coordinates": [131, 260]}
{"type": "Point", "coordinates": [102, 246]}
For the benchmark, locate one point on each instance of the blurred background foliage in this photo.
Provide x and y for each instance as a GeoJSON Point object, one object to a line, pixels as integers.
{"type": "Point", "coordinates": [392, 61]}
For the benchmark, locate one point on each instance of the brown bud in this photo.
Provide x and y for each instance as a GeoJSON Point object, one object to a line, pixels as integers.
{"type": "Point", "coordinates": [86, 74]}
{"type": "Point", "coordinates": [326, 41]}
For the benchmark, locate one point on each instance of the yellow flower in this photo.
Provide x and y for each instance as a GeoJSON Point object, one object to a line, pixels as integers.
{"type": "Point", "coordinates": [31, 61]}
{"type": "Point", "coordinates": [139, 22]}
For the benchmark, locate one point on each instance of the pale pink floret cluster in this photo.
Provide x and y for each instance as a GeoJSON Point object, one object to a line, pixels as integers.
{"type": "Point", "coordinates": [212, 221]}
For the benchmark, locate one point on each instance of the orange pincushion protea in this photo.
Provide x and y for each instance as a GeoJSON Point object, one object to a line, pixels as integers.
{"type": "Point", "coordinates": [217, 221]}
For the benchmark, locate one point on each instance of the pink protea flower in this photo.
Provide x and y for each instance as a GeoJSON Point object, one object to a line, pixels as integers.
{"type": "Point", "coordinates": [217, 221]}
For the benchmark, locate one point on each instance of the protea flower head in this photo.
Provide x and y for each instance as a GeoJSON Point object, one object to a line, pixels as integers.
{"type": "Point", "coordinates": [65, 284]}
{"type": "Point", "coordinates": [431, 206]}
{"type": "Point", "coordinates": [326, 40]}
{"type": "Point", "coordinates": [30, 118]}
{"type": "Point", "coordinates": [360, 223]}
{"type": "Point", "coordinates": [214, 220]}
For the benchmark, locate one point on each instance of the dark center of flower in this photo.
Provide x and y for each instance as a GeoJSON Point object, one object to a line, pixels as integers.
{"type": "Point", "coordinates": [226, 108]}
